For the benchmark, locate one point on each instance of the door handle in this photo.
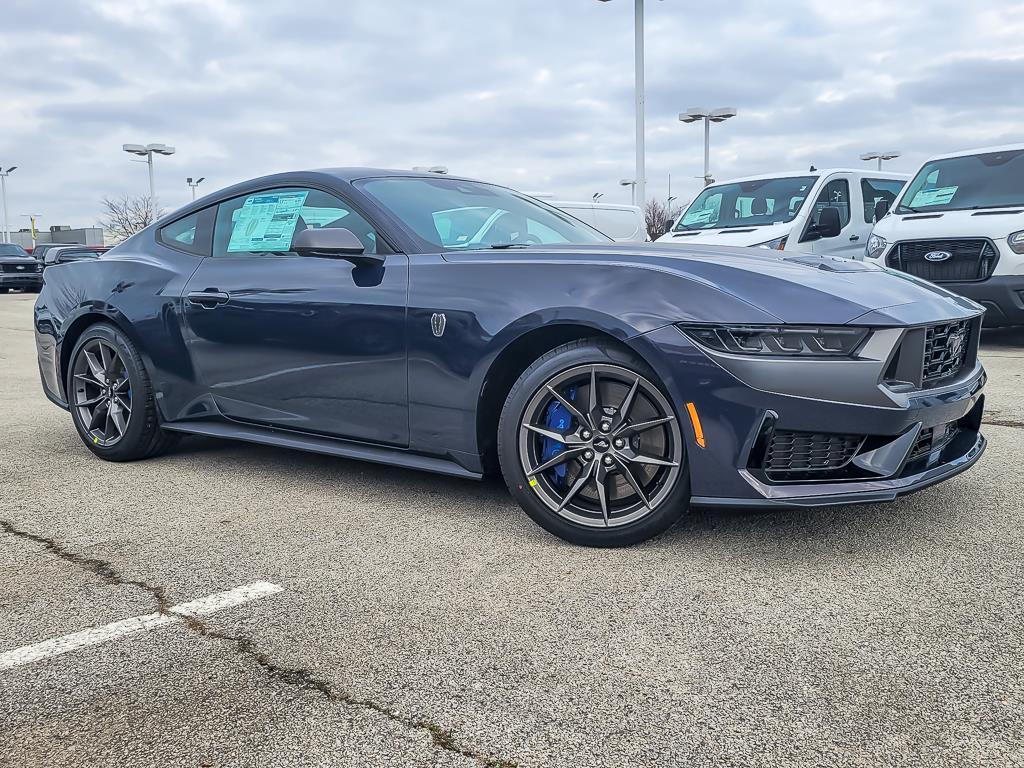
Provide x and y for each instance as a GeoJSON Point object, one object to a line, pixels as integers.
{"type": "Point", "coordinates": [854, 238]}
{"type": "Point", "coordinates": [208, 299]}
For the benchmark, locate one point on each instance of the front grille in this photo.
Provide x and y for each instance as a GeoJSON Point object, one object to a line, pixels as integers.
{"type": "Point", "coordinates": [800, 455]}
{"type": "Point", "coordinates": [25, 269]}
{"type": "Point", "coordinates": [945, 350]}
{"type": "Point", "coordinates": [969, 260]}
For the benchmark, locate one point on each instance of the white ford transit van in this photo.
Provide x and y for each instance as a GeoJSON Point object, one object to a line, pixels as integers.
{"type": "Point", "coordinates": [624, 223]}
{"type": "Point", "coordinates": [960, 223]}
{"type": "Point", "coordinates": [784, 211]}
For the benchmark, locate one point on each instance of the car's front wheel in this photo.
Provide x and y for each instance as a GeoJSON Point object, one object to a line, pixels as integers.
{"type": "Point", "coordinates": [111, 397]}
{"type": "Point", "coordinates": [591, 447]}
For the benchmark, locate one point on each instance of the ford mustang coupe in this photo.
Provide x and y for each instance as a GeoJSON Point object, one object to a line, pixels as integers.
{"type": "Point", "coordinates": [455, 326]}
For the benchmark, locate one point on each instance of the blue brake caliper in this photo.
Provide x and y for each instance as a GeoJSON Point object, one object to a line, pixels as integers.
{"type": "Point", "coordinates": [558, 419]}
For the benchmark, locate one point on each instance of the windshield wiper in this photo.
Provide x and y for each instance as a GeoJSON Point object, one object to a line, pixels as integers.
{"type": "Point", "coordinates": [509, 245]}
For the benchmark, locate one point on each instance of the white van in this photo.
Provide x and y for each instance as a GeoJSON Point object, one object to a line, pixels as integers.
{"type": "Point", "coordinates": [960, 223]}
{"type": "Point", "coordinates": [624, 223]}
{"type": "Point", "coordinates": [828, 212]}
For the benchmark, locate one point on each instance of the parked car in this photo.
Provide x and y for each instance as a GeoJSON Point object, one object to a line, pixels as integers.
{"type": "Point", "coordinates": [39, 252]}
{"type": "Point", "coordinates": [614, 386]}
{"type": "Point", "coordinates": [66, 253]}
{"type": "Point", "coordinates": [783, 211]}
{"type": "Point", "coordinates": [623, 223]}
{"type": "Point", "coordinates": [18, 270]}
{"type": "Point", "coordinates": [960, 223]}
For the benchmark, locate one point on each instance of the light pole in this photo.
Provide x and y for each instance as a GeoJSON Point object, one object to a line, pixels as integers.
{"type": "Point", "coordinates": [880, 156]}
{"type": "Point", "coordinates": [709, 116]}
{"type": "Point", "coordinates": [3, 192]}
{"type": "Point", "coordinates": [640, 190]}
{"type": "Point", "coordinates": [147, 152]}
{"type": "Point", "coordinates": [194, 184]}
{"type": "Point", "coordinates": [632, 184]}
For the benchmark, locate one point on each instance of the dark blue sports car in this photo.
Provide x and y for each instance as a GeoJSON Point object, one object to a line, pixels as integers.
{"type": "Point", "coordinates": [460, 327]}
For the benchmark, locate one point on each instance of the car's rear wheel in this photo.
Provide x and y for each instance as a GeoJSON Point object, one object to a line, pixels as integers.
{"type": "Point", "coordinates": [592, 448]}
{"type": "Point", "coordinates": [111, 397]}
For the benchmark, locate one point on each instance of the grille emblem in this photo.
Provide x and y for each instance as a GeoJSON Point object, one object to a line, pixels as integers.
{"type": "Point", "coordinates": [938, 256]}
{"type": "Point", "coordinates": [20, 267]}
{"type": "Point", "coordinates": [955, 344]}
{"type": "Point", "coordinates": [437, 323]}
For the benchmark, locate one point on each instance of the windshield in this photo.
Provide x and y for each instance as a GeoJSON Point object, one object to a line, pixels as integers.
{"type": "Point", "coordinates": [991, 180]}
{"type": "Point", "coordinates": [747, 203]}
{"type": "Point", "coordinates": [10, 249]}
{"type": "Point", "coordinates": [456, 215]}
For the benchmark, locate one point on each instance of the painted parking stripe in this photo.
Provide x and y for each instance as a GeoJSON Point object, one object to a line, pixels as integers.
{"type": "Point", "coordinates": [118, 629]}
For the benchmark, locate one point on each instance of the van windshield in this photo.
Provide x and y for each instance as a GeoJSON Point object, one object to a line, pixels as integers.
{"type": "Point", "coordinates": [747, 203]}
{"type": "Point", "coordinates": [989, 180]}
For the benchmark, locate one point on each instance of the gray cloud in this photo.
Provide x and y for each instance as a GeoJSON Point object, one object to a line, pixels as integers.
{"type": "Point", "coordinates": [530, 93]}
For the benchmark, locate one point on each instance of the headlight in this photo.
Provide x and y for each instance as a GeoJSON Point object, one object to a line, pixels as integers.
{"type": "Point", "coordinates": [1016, 242]}
{"type": "Point", "coordinates": [779, 340]}
{"type": "Point", "coordinates": [777, 244]}
{"type": "Point", "coordinates": [876, 246]}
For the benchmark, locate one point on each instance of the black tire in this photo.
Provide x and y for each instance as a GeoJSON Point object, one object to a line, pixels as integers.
{"type": "Point", "coordinates": [143, 437]}
{"type": "Point", "coordinates": [673, 495]}
{"type": "Point", "coordinates": [4, 290]}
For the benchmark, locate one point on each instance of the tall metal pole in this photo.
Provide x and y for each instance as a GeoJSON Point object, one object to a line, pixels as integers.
{"type": "Point", "coordinates": [152, 184]}
{"type": "Point", "coordinates": [707, 150]}
{"type": "Point", "coordinates": [638, 33]}
{"type": "Point", "coordinates": [3, 184]}
{"type": "Point", "coordinates": [879, 163]}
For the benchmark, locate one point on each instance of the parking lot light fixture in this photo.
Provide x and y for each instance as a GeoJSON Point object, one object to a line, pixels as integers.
{"type": "Point", "coordinates": [147, 152]}
{"type": "Point", "coordinates": [880, 156]}
{"type": "Point", "coordinates": [707, 116]}
{"type": "Point", "coordinates": [3, 192]}
{"type": "Point", "coordinates": [194, 184]}
{"type": "Point", "coordinates": [632, 184]}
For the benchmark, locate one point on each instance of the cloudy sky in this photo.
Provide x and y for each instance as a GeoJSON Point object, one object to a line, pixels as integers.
{"type": "Point", "coordinates": [535, 94]}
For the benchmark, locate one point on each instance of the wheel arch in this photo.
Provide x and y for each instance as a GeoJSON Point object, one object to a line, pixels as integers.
{"type": "Point", "coordinates": [508, 365]}
{"type": "Point", "coordinates": [79, 323]}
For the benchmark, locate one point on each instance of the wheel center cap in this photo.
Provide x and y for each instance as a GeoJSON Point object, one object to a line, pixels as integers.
{"type": "Point", "coordinates": [602, 444]}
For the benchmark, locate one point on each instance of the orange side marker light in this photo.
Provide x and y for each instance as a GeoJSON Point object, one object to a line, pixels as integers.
{"type": "Point", "coordinates": [695, 420]}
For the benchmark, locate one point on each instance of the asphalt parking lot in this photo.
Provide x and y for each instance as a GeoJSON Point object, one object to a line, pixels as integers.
{"type": "Point", "coordinates": [424, 621]}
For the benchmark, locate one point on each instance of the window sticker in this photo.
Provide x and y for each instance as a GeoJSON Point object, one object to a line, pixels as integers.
{"type": "Point", "coordinates": [266, 222]}
{"type": "Point", "coordinates": [701, 216]}
{"type": "Point", "coordinates": [937, 196]}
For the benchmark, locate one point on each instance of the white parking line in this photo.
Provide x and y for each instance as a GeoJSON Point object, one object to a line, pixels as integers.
{"type": "Point", "coordinates": [118, 629]}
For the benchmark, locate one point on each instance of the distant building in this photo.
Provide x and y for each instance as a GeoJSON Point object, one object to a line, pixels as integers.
{"type": "Point", "coordinates": [59, 234]}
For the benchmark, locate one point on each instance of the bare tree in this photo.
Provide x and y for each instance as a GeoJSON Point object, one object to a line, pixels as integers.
{"type": "Point", "coordinates": [124, 216]}
{"type": "Point", "coordinates": [659, 218]}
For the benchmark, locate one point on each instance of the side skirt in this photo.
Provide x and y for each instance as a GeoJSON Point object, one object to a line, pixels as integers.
{"type": "Point", "coordinates": [324, 445]}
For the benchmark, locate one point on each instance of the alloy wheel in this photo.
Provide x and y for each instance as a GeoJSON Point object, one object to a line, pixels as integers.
{"type": "Point", "coordinates": [101, 392]}
{"type": "Point", "coordinates": [600, 445]}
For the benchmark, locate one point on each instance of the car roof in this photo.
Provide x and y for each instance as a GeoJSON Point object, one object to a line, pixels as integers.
{"type": "Point", "coordinates": [978, 151]}
{"type": "Point", "coordinates": [597, 206]}
{"type": "Point", "coordinates": [869, 172]}
{"type": "Point", "coordinates": [353, 173]}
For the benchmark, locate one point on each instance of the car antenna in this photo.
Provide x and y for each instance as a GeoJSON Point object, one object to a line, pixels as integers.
{"type": "Point", "coordinates": [813, 169]}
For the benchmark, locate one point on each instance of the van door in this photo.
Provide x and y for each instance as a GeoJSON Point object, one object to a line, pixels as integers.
{"type": "Point", "coordinates": [838, 192]}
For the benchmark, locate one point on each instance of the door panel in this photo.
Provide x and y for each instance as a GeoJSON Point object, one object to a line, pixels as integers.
{"type": "Point", "coordinates": [314, 344]}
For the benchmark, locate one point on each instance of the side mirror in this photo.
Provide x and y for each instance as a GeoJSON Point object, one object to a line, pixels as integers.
{"type": "Point", "coordinates": [881, 208]}
{"type": "Point", "coordinates": [333, 243]}
{"type": "Point", "coordinates": [829, 224]}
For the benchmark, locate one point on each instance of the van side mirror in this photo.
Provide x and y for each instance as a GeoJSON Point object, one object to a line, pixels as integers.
{"type": "Point", "coordinates": [881, 208]}
{"type": "Point", "coordinates": [333, 243]}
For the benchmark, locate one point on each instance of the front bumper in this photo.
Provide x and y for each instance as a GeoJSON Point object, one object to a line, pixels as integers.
{"type": "Point", "coordinates": [726, 472]}
{"type": "Point", "coordinates": [21, 279]}
{"type": "Point", "coordinates": [1001, 295]}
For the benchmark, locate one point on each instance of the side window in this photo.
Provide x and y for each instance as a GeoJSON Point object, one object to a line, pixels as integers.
{"type": "Point", "coordinates": [836, 194]}
{"type": "Point", "coordinates": [265, 223]}
{"type": "Point", "coordinates": [191, 234]}
{"type": "Point", "coordinates": [875, 190]}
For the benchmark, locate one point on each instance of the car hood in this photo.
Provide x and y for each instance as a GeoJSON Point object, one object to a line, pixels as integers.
{"type": "Point", "coordinates": [737, 236]}
{"type": "Point", "coordinates": [794, 289]}
{"type": "Point", "coordinates": [17, 260]}
{"type": "Point", "coordinates": [994, 223]}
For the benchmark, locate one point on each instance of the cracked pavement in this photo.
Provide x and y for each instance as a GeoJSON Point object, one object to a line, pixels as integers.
{"type": "Point", "coordinates": [427, 621]}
